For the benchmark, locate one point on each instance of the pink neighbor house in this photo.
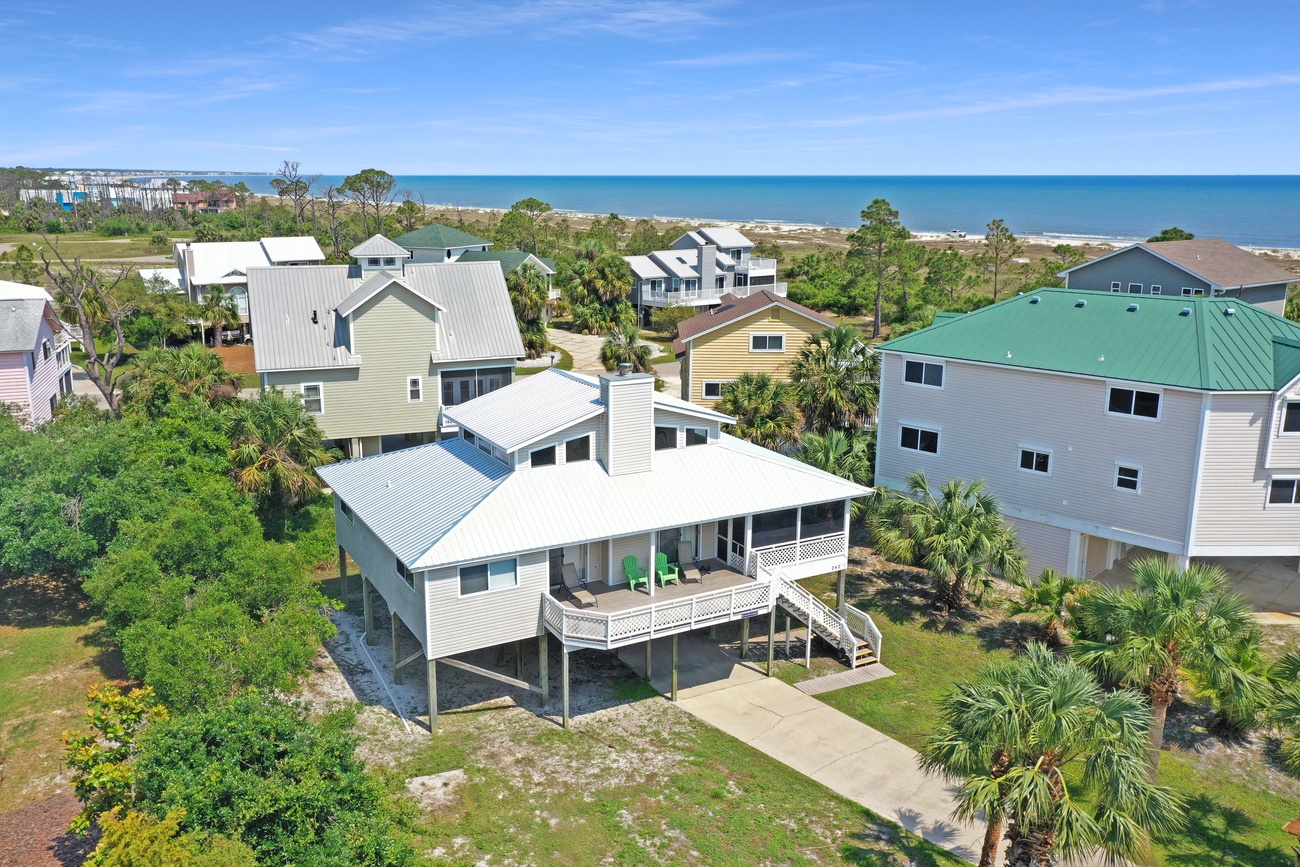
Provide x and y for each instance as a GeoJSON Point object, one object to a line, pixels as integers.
{"type": "Point", "coordinates": [35, 353]}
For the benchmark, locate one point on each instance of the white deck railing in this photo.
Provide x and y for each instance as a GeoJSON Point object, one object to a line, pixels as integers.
{"type": "Point", "coordinates": [773, 557]}
{"type": "Point", "coordinates": [694, 296]}
{"type": "Point", "coordinates": [755, 264]}
{"type": "Point", "coordinates": [585, 628]}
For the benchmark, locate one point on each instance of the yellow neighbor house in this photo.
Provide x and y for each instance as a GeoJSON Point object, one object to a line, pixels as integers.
{"type": "Point", "coordinates": [761, 333]}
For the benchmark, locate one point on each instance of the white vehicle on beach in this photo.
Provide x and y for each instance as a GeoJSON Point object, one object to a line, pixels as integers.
{"type": "Point", "coordinates": [956, 234]}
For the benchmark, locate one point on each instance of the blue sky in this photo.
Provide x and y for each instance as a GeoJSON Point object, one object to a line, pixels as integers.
{"type": "Point", "coordinates": [655, 87]}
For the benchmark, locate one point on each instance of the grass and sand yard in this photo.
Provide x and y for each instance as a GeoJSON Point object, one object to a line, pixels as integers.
{"type": "Point", "coordinates": [1238, 795]}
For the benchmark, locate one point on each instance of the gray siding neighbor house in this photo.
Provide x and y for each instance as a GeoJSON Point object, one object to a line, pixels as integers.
{"type": "Point", "coordinates": [376, 354]}
{"type": "Point", "coordinates": [702, 266]}
{"type": "Point", "coordinates": [1107, 425]}
{"type": "Point", "coordinates": [1207, 268]}
{"type": "Point", "coordinates": [594, 512]}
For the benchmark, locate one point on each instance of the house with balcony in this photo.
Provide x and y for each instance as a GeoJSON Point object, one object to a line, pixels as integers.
{"type": "Point", "coordinates": [702, 266]}
{"type": "Point", "coordinates": [438, 243]}
{"type": "Point", "coordinates": [1203, 268]}
{"type": "Point", "coordinates": [1109, 426]}
{"type": "Point", "coordinates": [378, 354]}
{"type": "Point", "coordinates": [35, 352]}
{"type": "Point", "coordinates": [759, 333]}
{"type": "Point", "coordinates": [226, 264]}
{"type": "Point", "coordinates": [595, 513]}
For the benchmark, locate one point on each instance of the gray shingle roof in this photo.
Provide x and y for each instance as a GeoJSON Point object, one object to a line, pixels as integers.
{"type": "Point", "coordinates": [478, 322]}
{"type": "Point", "coordinates": [20, 323]}
{"type": "Point", "coordinates": [439, 237]}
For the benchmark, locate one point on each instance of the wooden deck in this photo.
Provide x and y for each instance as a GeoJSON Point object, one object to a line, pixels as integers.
{"type": "Point", "coordinates": [612, 600]}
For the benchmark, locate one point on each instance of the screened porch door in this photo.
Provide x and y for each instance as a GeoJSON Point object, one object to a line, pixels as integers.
{"type": "Point", "coordinates": [731, 543]}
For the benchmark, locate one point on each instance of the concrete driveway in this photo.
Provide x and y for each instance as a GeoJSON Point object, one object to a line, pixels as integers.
{"type": "Point", "coordinates": [810, 737]}
{"type": "Point", "coordinates": [585, 349]}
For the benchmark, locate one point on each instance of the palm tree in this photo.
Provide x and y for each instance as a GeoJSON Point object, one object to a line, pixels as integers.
{"type": "Point", "coordinates": [1285, 712]}
{"type": "Point", "coordinates": [766, 410]}
{"type": "Point", "coordinates": [1173, 623]}
{"type": "Point", "coordinates": [159, 374]}
{"type": "Point", "coordinates": [959, 537]}
{"type": "Point", "coordinates": [1024, 738]}
{"type": "Point", "coordinates": [219, 308]}
{"type": "Point", "coordinates": [275, 447]}
{"type": "Point", "coordinates": [840, 454]}
{"type": "Point", "coordinates": [529, 295]}
{"type": "Point", "coordinates": [1051, 599]}
{"type": "Point", "coordinates": [624, 346]}
{"type": "Point", "coordinates": [838, 377]}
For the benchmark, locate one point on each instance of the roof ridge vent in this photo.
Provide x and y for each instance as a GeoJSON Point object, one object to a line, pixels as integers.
{"type": "Point", "coordinates": [1133, 308]}
{"type": "Point", "coordinates": [1081, 303]}
{"type": "Point", "coordinates": [1186, 311]}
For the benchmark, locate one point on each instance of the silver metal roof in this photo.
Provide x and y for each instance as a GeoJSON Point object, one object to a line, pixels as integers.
{"type": "Point", "coordinates": [645, 269]}
{"type": "Point", "coordinates": [378, 245]}
{"type": "Point", "coordinates": [725, 236]}
{"type": "Point", "coordinates": [478, 321]}
{"type": "Point", "coordinates": [372, 286]}
{"type": "Point", "coordinates": [529, 409]}
{"type": "Point", "coordinates": [293, 249]}
{"type": "Point", "coordinates": [441, 504]}
{"type": "Point", "coordinates": [678, 263]}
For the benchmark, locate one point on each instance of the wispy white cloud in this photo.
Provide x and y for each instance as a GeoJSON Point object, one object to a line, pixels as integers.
{"type": "Point", "coordinates": [1064, 96]}
{"type": "Point", "coordinates": [225, 145]}
{"type": "Point", "coordinates": [733, 58]}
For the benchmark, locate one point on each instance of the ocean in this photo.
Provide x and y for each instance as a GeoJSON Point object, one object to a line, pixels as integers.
{"type": "Point", "coordinates": [1251, 210]}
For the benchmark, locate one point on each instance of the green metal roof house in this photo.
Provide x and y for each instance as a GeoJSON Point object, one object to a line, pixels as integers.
{"type": "Point", "coordinates": [1108, 425]}
{"type": "Point", "coordinates": [438, 243]}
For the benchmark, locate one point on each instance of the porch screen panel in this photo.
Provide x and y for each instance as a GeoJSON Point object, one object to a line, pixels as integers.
{"type": "Point", "coordinates": [822, 519]}
{"type": "Point", "coordinates": [775, 528]}
{"type": "Point", "coordinates": [668, 540]}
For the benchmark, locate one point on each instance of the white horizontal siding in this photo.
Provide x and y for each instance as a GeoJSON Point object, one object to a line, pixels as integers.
{"type": "Point", "coordinates": [598, 561]}
{"type": "Point", "coordinates": [986, 413]}
{"type": "Point", "coordinates": [460, 623]}
{"type": "Point", "coordinates": [682, 420]}
{"type": "Point", "coordinates": [591, 427]}
{"type": "Point", "coordinates": [637, 545]}
{"type": "Point", "coordinates": [1045, 546]}
{"type": "Point", "coordinates": [1232, 501]}
{"type": "Point", "coordinates": [379, 564]}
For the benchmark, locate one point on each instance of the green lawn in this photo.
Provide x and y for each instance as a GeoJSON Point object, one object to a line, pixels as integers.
{"type": "Point", "coordinates": [565, 363]}
{"type": "Point", "coordinates": [639, 784]}
{"type": "Point", "coordinates": [51, 652]}
{"type": "Point", "coordinates": [92, 246]}
{"type": "Point", "coordinates": [1237, 806]}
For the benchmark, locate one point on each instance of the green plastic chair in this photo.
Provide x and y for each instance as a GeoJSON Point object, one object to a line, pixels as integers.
{"type": "Point", "coordinates": [665, 571]}
{"type": "Point", "coordinates": [635, 574]}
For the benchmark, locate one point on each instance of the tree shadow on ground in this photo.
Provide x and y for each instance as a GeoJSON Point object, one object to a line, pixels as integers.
{"type": "Point", "coordinates": [1217, 837]}
{"type": "Point", "coordinates": [28, 601]}
{"type": "Point", "coordinates": [107, 658]}
{"type": "Point", "coordinates": [907, 596]}
{"type": "Point", "coordinates": [880, 843]}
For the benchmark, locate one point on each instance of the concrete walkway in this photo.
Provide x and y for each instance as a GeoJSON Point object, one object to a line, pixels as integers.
{"type": "Point", "coordinates": [585, 349]}
{"type": "Point", "coordinates": [851, 759]}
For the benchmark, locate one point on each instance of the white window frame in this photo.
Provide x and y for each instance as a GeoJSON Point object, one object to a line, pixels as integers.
{"type": "Point", "coordinates": [1281, 421]}
{"type": "Point", "coordinates": [1116, 286]}
{"type": "Point", "coordinates": [586, 437]}
{"type": "Point", "coordinates": [704, 388]}
{"type": "Point", "coordinates": [1193, 292]}
{"type": "Point", "coordinates": [555, 455]}
{"type": "Point", "coordinates": [943, 373]}
{"type": "Point", "coordinates": [1160, 392]}
{"type": "Point", "coordinates": [320, 392]}
{"type": "Point", "coordinates": [1127, 465]}
{"type": "Point", "coordinates": [418, 383]}
{"type": "Point", "coordinates": [390, 261]}
{"type": "Point", "coordinates": [769, 335]}
{"type": "Point", "coordinates": [460, 594]}
{"type": "Point", "coordinates": [1268, 493]}
{"type": "Point", "coordinates": [935, 429]}
{"type": "Point", "coordinates": [1131, 290]}
{"type": "Point", "coordinates": [47, 350]}
{"type": "Point", "coordinates": [372, 262]}
{"type": "Point", "coordinates": [1035, 450]}
{"type": "Point", "coordinates": [686, 432]}
{"type": "Point", "coordinates": [1155, 289]}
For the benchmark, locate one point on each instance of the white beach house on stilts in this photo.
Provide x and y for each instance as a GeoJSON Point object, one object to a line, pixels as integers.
{"type": "Point", "coordinates": [597, 512]}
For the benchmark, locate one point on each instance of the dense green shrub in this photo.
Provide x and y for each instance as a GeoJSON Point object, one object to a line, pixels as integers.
{"type": "Point", "coordinates": [665, 320]}
{"type": "Point", "coordinates": [255, 769]}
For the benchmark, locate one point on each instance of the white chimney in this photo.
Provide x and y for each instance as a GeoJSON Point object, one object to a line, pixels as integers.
{"type": "Point", "coordinates": [629, 422]}
{"type": "Point", "coordinates": [708, 266]}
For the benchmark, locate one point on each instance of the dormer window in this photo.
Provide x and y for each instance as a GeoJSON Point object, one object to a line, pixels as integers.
{"type": "Point", "coordinates": [373, 263]}
{"type": "Point", "coordinates": [665, 438]}
{"type": "Point", "coordinates": [578, 449]}
{"type": "Point", "coordinates": [390, 262]}
{"type": "Point", "coordinates": [543, 457]}
{"type": "Point", "coordinates": [697, 436]}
